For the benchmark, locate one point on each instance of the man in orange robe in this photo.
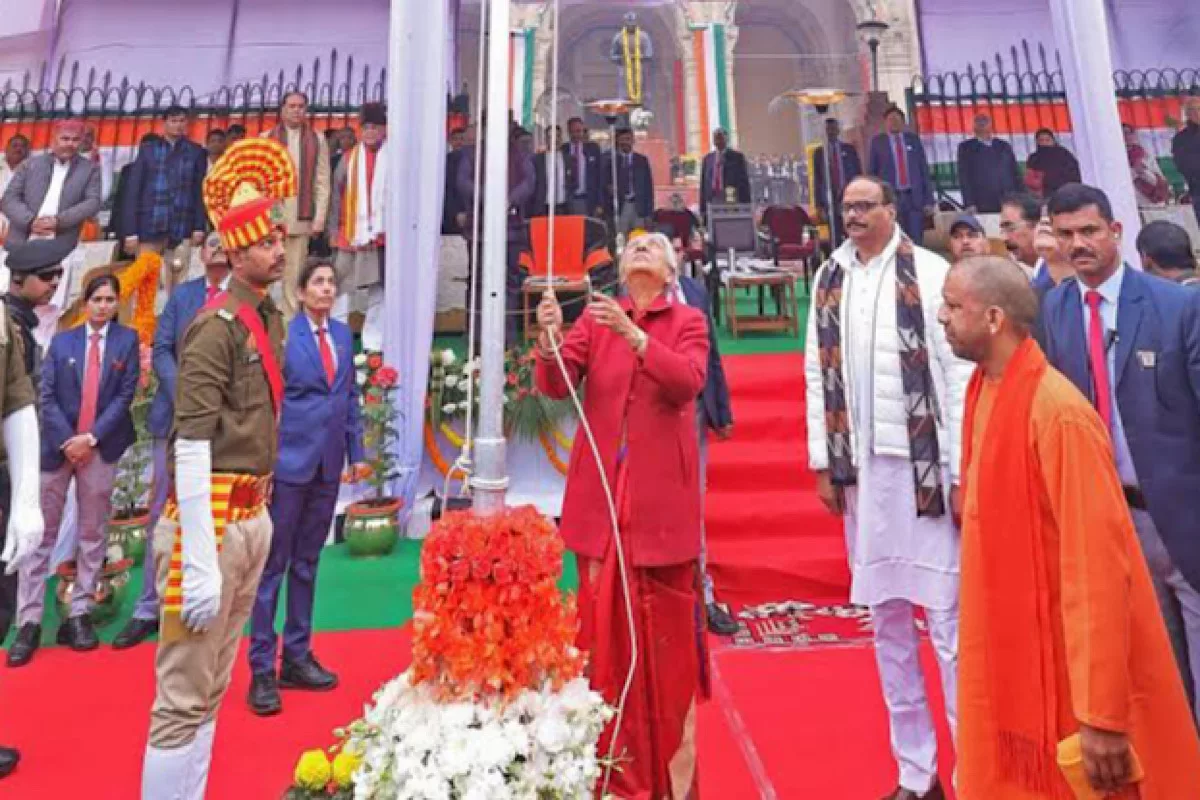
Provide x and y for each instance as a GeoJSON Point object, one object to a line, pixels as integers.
{"type": "Point", "coordinates": [1060, 631]}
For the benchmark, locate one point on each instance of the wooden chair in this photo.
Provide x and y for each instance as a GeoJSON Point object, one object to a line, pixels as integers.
{"type": "Point", "coordinates": [793, 238]}
{"type": "Point", "coordinates": [579, 248]}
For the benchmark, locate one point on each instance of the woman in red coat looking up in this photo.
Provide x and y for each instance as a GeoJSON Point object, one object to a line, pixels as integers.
{"type": "Point", "coordinates": [644, 359]}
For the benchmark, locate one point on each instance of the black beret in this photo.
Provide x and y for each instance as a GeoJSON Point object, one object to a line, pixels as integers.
{"type": "Point", "coordinates": [36, 255]}
{"type": "Point", "coordinates": [374, 114]}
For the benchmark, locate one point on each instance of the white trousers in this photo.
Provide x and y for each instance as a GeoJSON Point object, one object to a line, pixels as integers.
{"type": "Point", "coordinates": [897, 653]}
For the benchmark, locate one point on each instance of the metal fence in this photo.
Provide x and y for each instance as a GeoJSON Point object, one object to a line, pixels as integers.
{"type": "Point", "coordinates": [120, 112]}
{"type": "Point", "coordinates": [1023, 92]}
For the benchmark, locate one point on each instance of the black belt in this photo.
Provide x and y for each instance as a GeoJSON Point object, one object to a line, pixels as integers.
{"type": "Point", "coordinates": [1134, 497]}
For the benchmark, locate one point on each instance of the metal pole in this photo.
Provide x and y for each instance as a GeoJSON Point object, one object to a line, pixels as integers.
{"type": "Point", "coordinates": [491, 479]}
{"type": "Point", "coordinates": [832, 150]}
{"type": "Point", "coordinates": [874, 45]}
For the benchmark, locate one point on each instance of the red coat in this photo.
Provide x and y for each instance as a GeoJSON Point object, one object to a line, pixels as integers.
{"type": "Point", "coordinates": [654, 402]}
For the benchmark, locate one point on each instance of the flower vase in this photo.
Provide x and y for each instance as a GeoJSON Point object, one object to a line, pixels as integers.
{"type": "Point", "coordinates": [111, 590]}
{"type": "Point", "coordinates": [129, 532]}
{"type": "Point", "coordinates": [372, 527]}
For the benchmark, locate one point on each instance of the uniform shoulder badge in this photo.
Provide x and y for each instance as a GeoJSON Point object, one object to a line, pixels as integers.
{"type": "Point", "coordinates": [225, 314]}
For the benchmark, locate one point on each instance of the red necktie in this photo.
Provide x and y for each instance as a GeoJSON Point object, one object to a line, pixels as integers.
{"type": "Point", "coordinates": [1099, 359]}
{"type": "Point", "coordinates": [718, 168]}
{"type": "Point", "coordinates": [901, 163]}
{"type": "Point", "coordinates": [326, 355]}
{"type": "Point", "coordinates": [210, 292]}
{"type": "Point", "coordinates": [91, 387]}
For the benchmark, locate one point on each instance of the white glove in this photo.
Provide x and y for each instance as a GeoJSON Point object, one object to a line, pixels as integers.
{"type": "Point", "coordinates": [25, 524]}
{"type": "Point", "coordinates": [201, 572]}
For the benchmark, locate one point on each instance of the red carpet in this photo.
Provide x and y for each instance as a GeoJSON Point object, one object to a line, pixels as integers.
{"type": "Point", "coordinates": [769, 537]}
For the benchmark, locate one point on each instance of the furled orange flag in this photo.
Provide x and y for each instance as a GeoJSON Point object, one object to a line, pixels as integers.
{"type": "Point", "coordinates": [1059, 621]}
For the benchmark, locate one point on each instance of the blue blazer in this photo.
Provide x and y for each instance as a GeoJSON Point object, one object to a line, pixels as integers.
{"type": "Point", "coordinates": [1157, 370]}
{"type": "Point", "coordinates": [718, 411]}
{"type": "Point", "coordinates": [882, 164]}
{"type": "Point", "coordinates": [182, 307]}
{"type": "Point", "coordinates": [320, 428]}
{"type": "Point", "coordinates": [643, 184]}
{"type": "Point", "coordinates": [62, 393]}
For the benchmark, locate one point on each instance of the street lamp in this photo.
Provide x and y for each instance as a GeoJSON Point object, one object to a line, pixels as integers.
{"type": "Point", "coordinates": [872, 31]}
{"type": "Point", "coordinates": [821, 100]}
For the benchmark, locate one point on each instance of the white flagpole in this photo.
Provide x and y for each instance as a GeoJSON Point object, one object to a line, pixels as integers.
{"type": "Point", "coordinates": [491, 477]}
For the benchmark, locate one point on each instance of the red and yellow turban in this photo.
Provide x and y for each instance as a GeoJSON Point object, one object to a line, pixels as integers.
{"type": "Point", "coordinates": [243, 189]}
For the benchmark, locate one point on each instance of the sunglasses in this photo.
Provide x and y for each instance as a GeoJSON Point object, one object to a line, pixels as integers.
{"type": "Point", "coordinates": [49, 274]}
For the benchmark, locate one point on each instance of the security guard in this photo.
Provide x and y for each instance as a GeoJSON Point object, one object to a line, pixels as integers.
{"type": "Point", "coordinates": [213, 537]}
{"type": "Point", "coordinates": [35, 269]}
{"type": "Point", "coordinates": [20, 507]}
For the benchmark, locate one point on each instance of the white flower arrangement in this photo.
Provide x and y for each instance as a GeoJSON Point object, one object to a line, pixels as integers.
{"type": "Point", "coordinates": [539, 745]}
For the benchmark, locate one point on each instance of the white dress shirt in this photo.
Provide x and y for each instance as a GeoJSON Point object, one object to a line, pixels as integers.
{"type": "Point", "coordinates": [53, 198]}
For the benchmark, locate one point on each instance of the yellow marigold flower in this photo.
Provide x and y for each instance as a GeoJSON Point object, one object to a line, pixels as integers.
{"type": "Point", "coordinates": [312, 770]}
{"type": "Point", "coordinates": [345, 764]}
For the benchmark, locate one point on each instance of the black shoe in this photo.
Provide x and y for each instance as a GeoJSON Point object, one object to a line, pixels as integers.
{"type": "Point", "coordinates": [934, 793]}
{"type": "Point", "coordinates": [306, 674]}
{"type": "Point", "coordinates": [78, 634]}
{"type": "Point", "coordinates": [29, 639]}
{"type": "Point", "coordinates": [720, 621]}
{"type": "Point", "coordinates": [264, 697]}
{"type": "Point", "coordinates": [134, 633]}
{"type": "Point", "coordinates": [9, 758]}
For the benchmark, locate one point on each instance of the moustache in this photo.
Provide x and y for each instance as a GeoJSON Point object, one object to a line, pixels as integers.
{"type": "Point", "coordinates": [1082, 253]}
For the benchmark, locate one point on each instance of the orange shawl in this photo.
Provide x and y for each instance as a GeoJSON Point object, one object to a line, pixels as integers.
{"type": "Point", "coordinates": [1014, 577]}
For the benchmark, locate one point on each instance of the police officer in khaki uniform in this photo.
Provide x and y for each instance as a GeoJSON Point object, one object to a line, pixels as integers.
{"type": "Point", "coordinates": [36, 268]}
{"type": "Point", "coordinates": [20, 508]}
{"type": "Point", "coordinates": [214, 535]}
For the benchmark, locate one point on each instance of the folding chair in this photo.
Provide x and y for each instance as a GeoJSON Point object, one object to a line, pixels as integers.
{"type": "Point", "coordinates": [580, 247]}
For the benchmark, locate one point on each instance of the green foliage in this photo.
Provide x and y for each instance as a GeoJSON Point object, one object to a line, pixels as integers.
{"type": "Point", "coordinates": [131, 491]}
{"type": "Point", "coordinates": [377, 383]}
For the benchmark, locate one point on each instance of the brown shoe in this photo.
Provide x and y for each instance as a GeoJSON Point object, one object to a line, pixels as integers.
{"type": "Point", "coordinates": [935, 793]}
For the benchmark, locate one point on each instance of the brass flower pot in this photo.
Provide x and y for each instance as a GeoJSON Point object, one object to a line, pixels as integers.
{"type": "Point", "coordinates": [130, 534]}
{"type": "Point", "coordinates": [372, 527]}
{"type": "Point", "coordinates": [111, 590]}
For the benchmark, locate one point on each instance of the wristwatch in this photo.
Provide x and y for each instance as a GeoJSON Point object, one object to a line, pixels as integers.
{"type": "Point", "coordinates": [91, 440]}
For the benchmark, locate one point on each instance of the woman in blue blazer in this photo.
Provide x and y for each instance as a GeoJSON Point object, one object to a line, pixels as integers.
{"type": "Point", "coordinates": [89, 378]}
{"type": "Point", "coordinates": [320, 431]}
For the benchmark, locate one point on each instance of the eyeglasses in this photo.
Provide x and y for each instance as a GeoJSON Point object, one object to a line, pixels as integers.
{"type": "Point", "coordinates": [860, 207]}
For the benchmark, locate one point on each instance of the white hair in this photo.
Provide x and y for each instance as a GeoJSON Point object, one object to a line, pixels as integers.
{"type": "Point", "coordinates": [668, 249]}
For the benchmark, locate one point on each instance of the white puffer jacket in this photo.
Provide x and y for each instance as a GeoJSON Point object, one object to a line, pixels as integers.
{"type": "Point", "coordinates": [890, 419]}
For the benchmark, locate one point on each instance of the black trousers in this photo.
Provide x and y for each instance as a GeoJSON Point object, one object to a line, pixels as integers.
{"type": "Point", "coordinates": [8, 583]}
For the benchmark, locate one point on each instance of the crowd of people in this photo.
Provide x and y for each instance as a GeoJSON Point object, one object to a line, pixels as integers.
{"type": "Point", "coordinates": [1091, 578]}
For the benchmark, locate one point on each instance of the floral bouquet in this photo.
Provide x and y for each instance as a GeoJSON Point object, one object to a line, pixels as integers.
{"type": "Point", "coordinates": [319, 777]}
{"type": "Point", "coordinates": [377, 382]}
{"type": "Point", "coordinates": [495, 705]}
{"type": "Point", "coordinates": [449, 380]}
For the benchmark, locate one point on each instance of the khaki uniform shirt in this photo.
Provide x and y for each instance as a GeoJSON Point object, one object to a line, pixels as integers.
{"type": "Point", "coordinates": [16, 388]}
{"type": "Point", "coordinates": [222, 394]}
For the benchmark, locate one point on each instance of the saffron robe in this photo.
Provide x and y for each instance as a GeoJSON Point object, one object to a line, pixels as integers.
{"type": "Point", "coordinates": [1112, 663]}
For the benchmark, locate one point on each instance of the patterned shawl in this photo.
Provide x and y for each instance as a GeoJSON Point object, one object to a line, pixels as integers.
{"type": "Point", "coordinates": [920, 396]}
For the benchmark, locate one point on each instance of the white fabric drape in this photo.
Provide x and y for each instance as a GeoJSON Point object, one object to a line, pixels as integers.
{"type": "Point", "coordinates": [1081, 33]}
{"type": "Point", "coordinates": [416, 164]}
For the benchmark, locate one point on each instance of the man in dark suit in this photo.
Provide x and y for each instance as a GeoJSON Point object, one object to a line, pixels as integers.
{"type": "Point", "coordinates": [584, 170]}
{"type": "Point", "coordinates": [635, 185]}
{"type": "Point", "coordinates": [453, 212]}
{"type": "Point", "coordinates": [1131, 342]}
{"type": "Point", "coordinates": [987, 169]}
{"type": "Point", "coordinates": [713, 412]}
{"type": "Point", "coordinates": [723, 169]}
{"type": "Point", "coordinates": [539, 206]}
{"type": "Point", "coordinates": [843, 169]}
{"type": "Point", "coordinates": [898, 157]}
{"type": "Point", "coordinates": [53, 194]}
{"type": "Point", "coordinates": [182, 307]}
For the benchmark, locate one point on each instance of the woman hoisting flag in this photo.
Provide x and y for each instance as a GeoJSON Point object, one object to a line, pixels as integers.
{"type": "Point", "coordinates": [631, 50]}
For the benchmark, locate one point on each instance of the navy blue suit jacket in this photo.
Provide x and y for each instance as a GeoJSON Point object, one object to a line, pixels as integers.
{"type": "Point", "coordinates": [62, 393]}
{"type": "Point", "coordinates": [715, 397]}
{"type": "Point", "coordinates": [851, 169]}
{"type": "Point", "coordinates": [182, 307]}
{"type": "Point", "coordinates": [643, 184]}
{"type": "Point", "coordinates": [1157, 370]}
{"type": "Point", "coordinates": [593, 177]}
{"type": "Point", "coordinates": [320, 427]}
{"type": "Point", "coordinates": [882, 164]}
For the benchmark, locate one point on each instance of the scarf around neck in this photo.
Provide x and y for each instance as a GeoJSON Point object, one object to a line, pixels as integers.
{"type": "Point", "coordinates": [919, 391]}
{"type": "Point", "coordinates": [306, 199]}
{"type": "Point", "coordinates": [1019, 665]}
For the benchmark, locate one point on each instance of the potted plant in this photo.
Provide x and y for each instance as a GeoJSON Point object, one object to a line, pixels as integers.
{"type": "Point", "coordinates": [130, 515]}
{"type": "Point", "coordinates": [372, 526]}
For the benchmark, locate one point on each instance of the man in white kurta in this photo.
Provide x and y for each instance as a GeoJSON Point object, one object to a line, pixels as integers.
{"type": "Point", "coordinates": [900, 562]}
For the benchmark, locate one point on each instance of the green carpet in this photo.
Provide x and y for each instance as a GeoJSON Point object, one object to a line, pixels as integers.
{"type": "Point", "coordinates": [352, 593]}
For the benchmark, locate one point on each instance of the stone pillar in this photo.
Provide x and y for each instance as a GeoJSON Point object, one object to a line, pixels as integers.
{"type": "Point", "coordinates": [523, 17]}
{"type": "Point", "coordinates": [699, 13]}
{"type": "Point", "coordinates": [691, 81]}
